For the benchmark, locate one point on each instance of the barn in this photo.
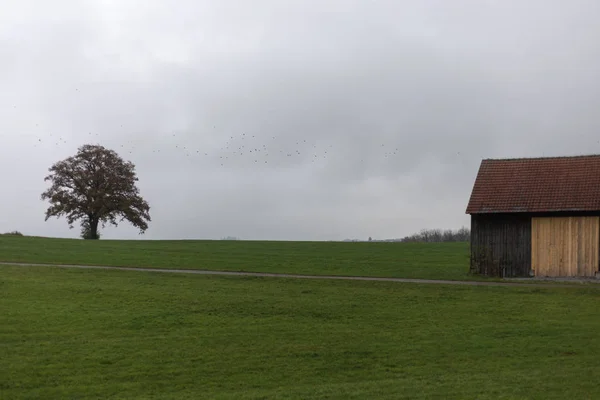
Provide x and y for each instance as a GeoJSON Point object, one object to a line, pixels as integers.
{"type": "Point", "coordinates": [536, 217]}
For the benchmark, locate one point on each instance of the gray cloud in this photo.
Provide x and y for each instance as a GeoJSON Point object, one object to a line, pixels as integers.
{"type": "Point", "coordinates": [357, 118]}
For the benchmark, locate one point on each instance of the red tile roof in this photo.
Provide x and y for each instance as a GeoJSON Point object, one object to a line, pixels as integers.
{"type": "Point", "coordinates": [537, 185]}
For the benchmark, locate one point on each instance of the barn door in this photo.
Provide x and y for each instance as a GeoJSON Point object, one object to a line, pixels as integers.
{"type": "Point", "coordinates": [565, 246]}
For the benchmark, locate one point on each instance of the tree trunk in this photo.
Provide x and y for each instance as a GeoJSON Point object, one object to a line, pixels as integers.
{"type": "Point", "coordinates": [94, 228]}
{"type": "Point", "coordinates": [89, 228]}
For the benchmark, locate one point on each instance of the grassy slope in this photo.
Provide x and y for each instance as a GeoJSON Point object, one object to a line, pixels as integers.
{"type": "Point", "coordinates": [406, 260]}
{"type": "Point", "coordinates": [115, 334]}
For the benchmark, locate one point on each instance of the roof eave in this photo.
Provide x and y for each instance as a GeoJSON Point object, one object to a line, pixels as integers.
{"type": "Point", "coordinates": [521, 211]}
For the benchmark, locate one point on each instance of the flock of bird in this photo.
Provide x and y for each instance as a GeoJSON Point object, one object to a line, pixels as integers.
{"type": "Point", "coordinates": [242, 150]}
{"type": "Point", "coordinates": [245, 148]}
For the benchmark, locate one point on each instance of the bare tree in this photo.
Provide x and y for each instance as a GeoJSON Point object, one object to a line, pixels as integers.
{"type": "Point", "coordinates": [95, 186]}
{"type": "Point", "coordinates": [463, 234]}
{"type": "Point", "coordinates": [437, 235]}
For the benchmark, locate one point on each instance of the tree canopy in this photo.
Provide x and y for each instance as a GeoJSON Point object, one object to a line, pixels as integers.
{"type": "Point", "coordinates": [95, 186]}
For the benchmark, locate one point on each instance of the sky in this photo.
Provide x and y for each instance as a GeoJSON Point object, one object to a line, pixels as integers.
{"type": "Point", "coordinates": [291, 120]}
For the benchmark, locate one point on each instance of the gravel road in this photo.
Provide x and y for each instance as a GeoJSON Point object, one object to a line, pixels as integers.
{"type": "Point", "coordinates": [297, 276]}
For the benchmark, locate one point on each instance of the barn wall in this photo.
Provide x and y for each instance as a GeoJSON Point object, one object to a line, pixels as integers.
{"type": "Point", "coordinates": [501, 245]}
{"type": "Point", "coordinates": [565, 246]}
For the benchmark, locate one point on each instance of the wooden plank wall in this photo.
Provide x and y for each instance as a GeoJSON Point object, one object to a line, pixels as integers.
{"type": "Point", "coordinates": [565, 246]}
{"type": "Point", "coordinates": [501, 245]}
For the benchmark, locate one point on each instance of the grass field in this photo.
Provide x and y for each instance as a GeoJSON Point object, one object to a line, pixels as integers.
{"type": "Point", "coordinates": [88, 334]}
{"type": "Point", "coordinates": [401, 260]}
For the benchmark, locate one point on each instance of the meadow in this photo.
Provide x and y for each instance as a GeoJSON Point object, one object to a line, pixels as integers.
{"type": "Point", "coordinates": [89, 334]}
{"type": "Point", "coordinates": [399, 260]}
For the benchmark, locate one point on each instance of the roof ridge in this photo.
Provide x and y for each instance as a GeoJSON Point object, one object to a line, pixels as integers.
{"type": "Point", "coordinates": [592, 155]}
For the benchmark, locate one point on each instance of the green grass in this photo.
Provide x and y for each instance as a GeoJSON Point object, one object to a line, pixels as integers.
{"type": "Point", "coordinates": [403, 260]}
{"type": "Point", "coordinates": [88, 334]}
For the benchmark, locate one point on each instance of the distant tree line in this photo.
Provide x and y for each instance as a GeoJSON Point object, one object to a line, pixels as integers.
{"type": "Point", "coordinates": [230, 238]}
{"type": "Point", "coordinates": [439, 235]}
{"type": "Point", "coordinates": [427, 236]}
{"type": "Point", "coordinates": [13, 233]}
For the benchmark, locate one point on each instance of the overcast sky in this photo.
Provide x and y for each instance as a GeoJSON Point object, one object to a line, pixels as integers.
{"type": "Point", "coordinates": [296, 119]}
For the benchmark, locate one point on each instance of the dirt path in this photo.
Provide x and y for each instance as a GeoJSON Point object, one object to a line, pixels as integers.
{"type": "Point", "coordinates": [296, 276]}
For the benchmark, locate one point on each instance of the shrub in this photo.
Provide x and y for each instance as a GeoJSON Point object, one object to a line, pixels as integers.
{"type": "Point", "coordinates": [13, 233]}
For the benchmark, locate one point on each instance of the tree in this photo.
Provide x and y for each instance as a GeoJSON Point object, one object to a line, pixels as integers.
{"type": "Point", "coordinates": [437, 235]}
{"type": "Point", "coordinates": [95, 186]}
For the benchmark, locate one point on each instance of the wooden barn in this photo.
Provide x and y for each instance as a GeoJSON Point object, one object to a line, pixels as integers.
{"type": "Point", "coordinates": [536, 217]}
